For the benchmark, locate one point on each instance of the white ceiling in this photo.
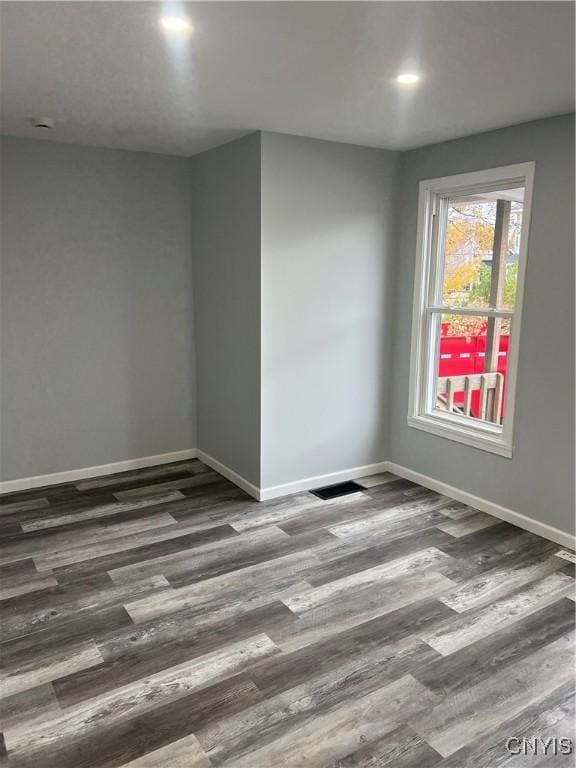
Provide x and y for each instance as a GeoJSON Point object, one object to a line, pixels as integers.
{"type": "Point", "coordinates": [110, 76]}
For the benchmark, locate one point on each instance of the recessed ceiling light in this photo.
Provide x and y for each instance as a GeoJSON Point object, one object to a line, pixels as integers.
{"type": "Point", "coordinates": [176, 24]}
{"type": "Point", "coordinates": [42, 122]}
{"type": "Point", "coordinates": [408, 78]}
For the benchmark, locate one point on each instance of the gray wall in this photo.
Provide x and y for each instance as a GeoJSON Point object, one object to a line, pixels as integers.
{"type": "Point", "coordinates": [226, 256]}
{"type": "Point", "coordinates": [303, 301]}
{"type": "Point", "coordinates": [327, 249]}
{"type": "Point", "coordinates": [539, 480]}
{"type": "Point", "coordinates": [97, 353]}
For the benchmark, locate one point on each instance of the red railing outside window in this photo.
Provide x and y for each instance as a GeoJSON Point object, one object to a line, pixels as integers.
{"type": "Point", "coordinates": [461, 355]}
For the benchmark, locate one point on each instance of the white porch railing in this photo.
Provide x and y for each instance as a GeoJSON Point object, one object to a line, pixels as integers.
{"type": "Point", "coordinates": [491, 386]}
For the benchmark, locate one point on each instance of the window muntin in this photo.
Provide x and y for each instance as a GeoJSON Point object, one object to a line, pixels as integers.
{"type": "Point", "coordinates": [472, 249]}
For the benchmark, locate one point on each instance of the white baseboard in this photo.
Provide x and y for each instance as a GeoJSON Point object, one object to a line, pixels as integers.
{"type": "Point", "coordinates": [229, 474]}
{"type": "Point", "coordinates": [307, 483]}
{"type": "Point", "coordinates": [273, 492]}
{"type": "Point", "coordinates": [503, 513]}
{"type": "Point", "coordinates": [71, 476]}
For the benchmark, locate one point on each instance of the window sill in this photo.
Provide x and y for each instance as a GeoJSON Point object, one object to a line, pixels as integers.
{"type": "Point", "coordinates": [483, 440]}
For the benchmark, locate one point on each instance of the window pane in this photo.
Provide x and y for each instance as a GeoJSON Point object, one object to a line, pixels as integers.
{"type": "Point", "coordinates": [468, 257]}
{"type": "Point", "coordinates": [466, 382]}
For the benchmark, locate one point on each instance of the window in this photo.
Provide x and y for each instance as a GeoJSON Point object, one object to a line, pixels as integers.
{"type": "Point", "coordinates": [471, 259]}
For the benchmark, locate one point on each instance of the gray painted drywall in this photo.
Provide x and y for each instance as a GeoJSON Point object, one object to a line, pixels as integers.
{"type": "Point", "coordinates": [226, 257]}
{"type": "Point", "coordinates": [97, 347]}
{"type": "Point", "coordinates": [97, 356]}
{"type": "Point", "coordinates": [539, 480]}
{"type": "Point", "coordinates": [327, 249]}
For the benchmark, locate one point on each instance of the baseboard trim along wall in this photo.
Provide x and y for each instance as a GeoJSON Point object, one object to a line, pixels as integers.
{"type": "Point", "coordinates": [491, 508]}
{"type": "Point", "coordinates": [71, 476]}
{"type": "Point", "coordinates": [229, 474]}
{"type": "Point", "coordinates": [276, 491]}
{"type": "Point", "coordinates": [321, 480]}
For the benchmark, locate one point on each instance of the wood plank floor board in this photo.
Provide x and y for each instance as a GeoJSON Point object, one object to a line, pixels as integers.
{"type": "Point", "coordinates": [14, 586]}
{"type": "Point", "coordinates": [22, 568]}
{"type": "Point", "coordinates": [225, 504]}
{"type": "Point", "coordinates": [391, 524]}
{"type": "Point", "coordinates": [570, 570]}
{"type": "Point", "coordinates": [51, 492]}
{"type": "Point", "coordinates": [295, 515]}
{"type": "Point", "coordinates": [551, 715]}
{"type": "Point", "coordinates": [54, 544]}
{"type": "Point", "coordinates": [413, 563]}
{"type": "Point", "coordinates": [131, 519]}
{"type": "Point", "coordinates": [402, 748]}
{"type": "Point", "coordinates": [382, 491]}
{"type": "Point", "coordinates": [127, 480]}
{"type": "Point", "coordinates": [386, 534]}
{"type": "Point", "coordinates": [361, 603]}
{"type": "Point", "coordinates": [520, 548]}
{"type": "Point", "coordinates": [399, 507]}
{"type": "Point", "coordinates": [335, 514]}
{"type": "Point", "coordinates": [184, 753]}
{"type": "Point", "coordinates": [222, 493]}
{"type": "Point", "coordinates": [120, 741]}
{"type": "Point", "coordinates": [172, 538]}
{"type": "Point", "coordinates": [84, 626]}
{"type": "Point", "coordinates": [478, 623]}
{"type": "Point", "coordinates": [465, 715]}
{"type": "Point", "coordinates": [481, 543]}
{"type": "Point", "coordinates": [143, 695]}
{"type": "Point", "coordinates": [339, 514]}
{"type": "Point", "coordinates": [93, 495]}
{"type": "Point", "coordinates": [184, 573]}
{"type": "Point", "coordinates": [459, 511]}
{"type": "Point", "coordinates": [135, 550]}
{"type": "Point", "coordinates": [141, 651]}
{"type": "Point", "coordinates": [23, 506]}
{"type": "Point", "coordinates": [160, 489]}
{"type": "Point", "coordinates": [33, 612]}
{"type": "Point", "coordinates": [476, 662]}
{"type": "Point", "coordinates": [185, 628]}
{"type": "Point", "coordinates": [57, 594]}
{"type": "Point", "coordinates": [27, 706]}
{"type": "Point", "coordinates": [46, 667]}
{"type": "Point", "coordinates": [464, 526]}
{"type": "Point", "coordinates": [210, 559]}
{"type": "Point", "coordinates": [334, 735]}
{"type": "Point", "coordinates": [162, 617]}
{"type": "Point", "coordinates": [338, 562]}
{"type": "Point", "coordinates": [230, 739]}
{"type": "Point", "coordinates": [247, 588]}
{"type": "Point", "coordinates": [293, 668]}
{"type": "Point", "coordinates": [381, 479]}
{"type": "Point", "coordinates": [71, 502]}
{"type": "Point", "coordinates": [104, 510]}
{"type": "Point", "coordinates": [496, 583]}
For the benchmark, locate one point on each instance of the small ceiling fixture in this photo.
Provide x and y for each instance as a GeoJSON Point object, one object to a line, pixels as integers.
{"type": "Point", "coordinates": [179, 24]}
{"type": "Point", "coordinates": [42, 122]}
{"type": "Point", "coordinates": [408, 78]}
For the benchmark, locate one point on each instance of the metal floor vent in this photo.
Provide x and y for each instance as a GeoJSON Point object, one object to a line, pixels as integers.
{"type": "Point", "coordinates": [340, 489]}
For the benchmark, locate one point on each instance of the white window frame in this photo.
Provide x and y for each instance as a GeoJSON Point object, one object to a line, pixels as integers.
{"type": "Point", "coordinates": [428, 299]}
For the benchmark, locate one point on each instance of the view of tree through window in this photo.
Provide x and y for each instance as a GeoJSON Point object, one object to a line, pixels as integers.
{"type": "Point", "coordinates": [468, 261]}
{"type": "Point", "coordinates": [467, 266]}
{"type": "Point", "coordinates": [472, 231]}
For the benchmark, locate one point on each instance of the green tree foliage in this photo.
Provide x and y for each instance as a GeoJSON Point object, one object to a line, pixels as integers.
{"type": "Point", "coordinates": [480, 292]}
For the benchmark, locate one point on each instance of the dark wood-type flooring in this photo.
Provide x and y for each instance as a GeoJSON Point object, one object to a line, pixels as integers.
{"type": "Point", "coordinates": [163, 619]}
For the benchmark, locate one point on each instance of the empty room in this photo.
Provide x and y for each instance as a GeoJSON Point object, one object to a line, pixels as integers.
{"type": "Point", "coordinates": [287, 384]}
